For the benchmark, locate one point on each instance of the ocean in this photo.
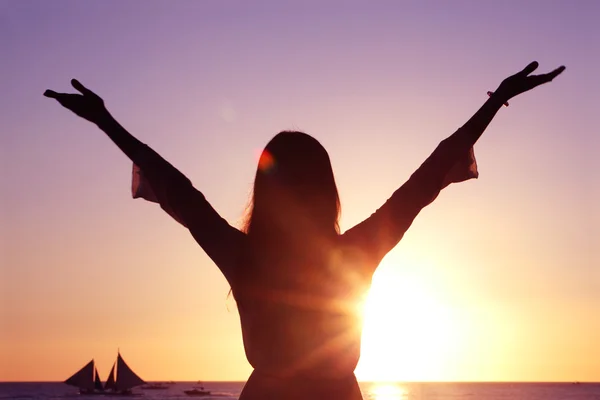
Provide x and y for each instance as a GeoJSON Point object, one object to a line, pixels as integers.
{"type": "Point", "coordinates": [371, 391]}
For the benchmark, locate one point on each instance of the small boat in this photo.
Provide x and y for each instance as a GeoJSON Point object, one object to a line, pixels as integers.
{"type": "Point", "coordinates": [197, 391]}
{"type": "Point", "coordinates": [87, 380]}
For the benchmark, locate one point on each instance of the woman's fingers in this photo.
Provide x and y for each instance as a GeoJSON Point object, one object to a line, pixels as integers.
{"type": "Point", "coordinates": [51, 93]}
{"type": "Point", "coordinates": [529, 69]}
{"type": "Point", "coordinates": [77, 85]}
{"type": "Point", "coordinates": [545, 78]}
{"type": "Point", "coordinates": [62, 98]}
{"type": "Point", "coordinates": [556, 72]}
{"type": "Point", "coordinates": [82, 89]}
{"type": "Point", "coordinates": [66, 100]}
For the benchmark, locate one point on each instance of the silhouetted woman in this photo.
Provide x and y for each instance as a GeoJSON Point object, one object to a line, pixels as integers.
{"type": "Point", "coordinates": [297, 281]}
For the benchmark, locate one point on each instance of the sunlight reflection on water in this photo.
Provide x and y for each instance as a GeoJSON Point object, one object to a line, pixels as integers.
{"type": "Point", "coordinates": [388, 391]}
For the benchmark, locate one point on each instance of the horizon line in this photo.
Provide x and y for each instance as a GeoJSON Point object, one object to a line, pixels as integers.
{"type": "Point", "coordinates": [360, 381]}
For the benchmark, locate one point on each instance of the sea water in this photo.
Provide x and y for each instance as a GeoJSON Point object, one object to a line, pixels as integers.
{"type": "Point", "coordinates": [371, 391]}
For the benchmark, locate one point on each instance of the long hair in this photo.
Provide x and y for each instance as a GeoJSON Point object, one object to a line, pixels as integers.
{"type": "Point", "coordinates": [294, 184]}
{"type": "Point", "coordinates": [294, 203]}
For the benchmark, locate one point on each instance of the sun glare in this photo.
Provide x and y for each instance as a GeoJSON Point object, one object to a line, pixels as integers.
{"type": "Point", "coordinates": [408, 335]}
{"type": "Point", "coordinates": [388, 392]}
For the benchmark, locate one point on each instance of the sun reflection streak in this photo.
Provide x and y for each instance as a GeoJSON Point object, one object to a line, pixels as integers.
{"type": "Point", "coordinates": [388, 391]}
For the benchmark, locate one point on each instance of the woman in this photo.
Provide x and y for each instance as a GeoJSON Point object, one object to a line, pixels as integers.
{"type": "Point", "coordinates": [298, 281]}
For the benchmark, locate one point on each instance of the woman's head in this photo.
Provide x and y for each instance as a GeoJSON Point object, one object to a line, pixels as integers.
{"type": "Point", "coordinates": [294, 188]}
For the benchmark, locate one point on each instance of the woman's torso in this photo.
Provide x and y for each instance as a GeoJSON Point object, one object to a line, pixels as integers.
{"type": "Point", "coordinates": [302, 318]}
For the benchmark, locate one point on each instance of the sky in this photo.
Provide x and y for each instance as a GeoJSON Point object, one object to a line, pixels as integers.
{"type": "Point", "coordinates": [497, 280]}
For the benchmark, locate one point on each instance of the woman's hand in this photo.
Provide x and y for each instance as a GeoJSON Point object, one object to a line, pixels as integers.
{"type": "Point", "coordinates": [521, 82]}
{"type": "Point", "coordinates": [87, 105]}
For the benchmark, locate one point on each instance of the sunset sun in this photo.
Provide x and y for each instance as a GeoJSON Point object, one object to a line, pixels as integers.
{"type": "Point", "coordinates": [408, 334]}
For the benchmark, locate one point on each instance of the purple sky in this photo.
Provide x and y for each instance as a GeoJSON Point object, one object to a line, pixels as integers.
{"type": "Point", "coordinates": [207, 83]}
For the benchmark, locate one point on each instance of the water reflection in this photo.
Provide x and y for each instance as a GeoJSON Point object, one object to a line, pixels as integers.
{"type": "Point", "coordinates": [388, 391]}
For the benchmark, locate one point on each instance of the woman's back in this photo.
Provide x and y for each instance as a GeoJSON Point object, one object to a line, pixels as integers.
{"type": "Point", "coordinates": [303, 316]}
{"type": "Point", "coordinates": [301, 323]}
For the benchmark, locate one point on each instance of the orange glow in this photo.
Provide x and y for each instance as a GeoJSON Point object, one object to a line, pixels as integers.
{"type": "Point", "coordinates": [407, 332]}
{"type": "Point", "coordinates": [497, 280]}
{"type": "Point", "coordinates": [388, 392]}
{"type": "Point", "coordinates": [266, 161]}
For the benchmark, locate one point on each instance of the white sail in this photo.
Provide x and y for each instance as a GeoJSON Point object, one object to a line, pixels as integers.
{"type": "Point", "coordinates": [84, 378]}
{"type": "Point", "coordinates": [126, 378]}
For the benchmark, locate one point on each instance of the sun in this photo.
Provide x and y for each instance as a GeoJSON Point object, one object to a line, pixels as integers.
{"type": "Point", "coordinates": [408, 334]}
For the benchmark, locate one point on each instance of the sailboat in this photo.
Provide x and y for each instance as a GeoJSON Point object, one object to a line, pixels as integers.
{"type": "Point", "coordinates": [87, 380]}
{"type": "Point", "coordinates": [121, 378]}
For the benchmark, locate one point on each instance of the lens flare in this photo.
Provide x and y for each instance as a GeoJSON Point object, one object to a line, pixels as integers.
{"type": "Point", "coordinates": [266, 162]}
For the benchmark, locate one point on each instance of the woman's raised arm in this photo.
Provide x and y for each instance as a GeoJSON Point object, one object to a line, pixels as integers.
{"type": "Point", "coordinates": [167, 186]}
{"type": "Point", "coordinates": [452, 161]}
